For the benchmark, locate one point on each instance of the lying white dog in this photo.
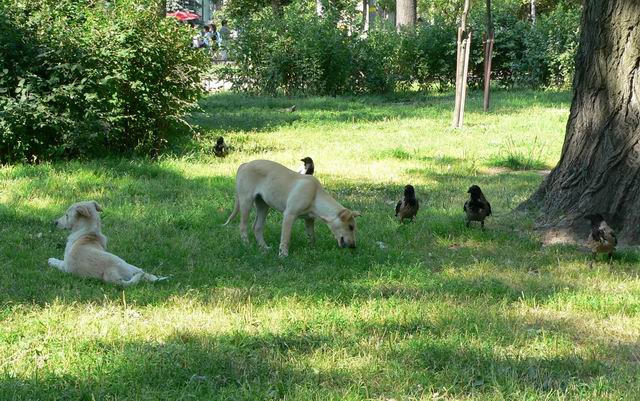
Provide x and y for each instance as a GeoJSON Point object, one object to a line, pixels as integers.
{"type": "Point", "coordinates": [269, 184]}
{"type": "Point", "coordinates": [86, 252]}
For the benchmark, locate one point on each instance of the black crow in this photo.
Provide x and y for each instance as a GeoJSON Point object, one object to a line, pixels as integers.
{"type": "Point", "coordinates": [407, 208]}
{"type": "Point", "coordinates": [221, 149]}
{"type": "Point", "coordinates": [308, 167]}
{"type": "Point", "coordinates": [602, 238]}
{"type": "Point", "coordinates": [477, 207]}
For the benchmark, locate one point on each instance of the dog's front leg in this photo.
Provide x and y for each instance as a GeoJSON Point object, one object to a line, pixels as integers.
{"type": "Point", "coordinates": [58, 264]}
{"type": "Point", "coordinates": [287, 225]}
{"type": "Point", "coordinates": [309, 229]}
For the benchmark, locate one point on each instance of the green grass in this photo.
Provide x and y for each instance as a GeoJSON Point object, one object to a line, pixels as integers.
{"type": "Point", "coordinates": [420, 311]}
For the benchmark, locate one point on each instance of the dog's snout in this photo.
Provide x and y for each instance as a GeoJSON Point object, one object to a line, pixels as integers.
{"type": "Point", "coordinates": [55, 223]}
{"type": "Point", "coordinates": [342, 243]}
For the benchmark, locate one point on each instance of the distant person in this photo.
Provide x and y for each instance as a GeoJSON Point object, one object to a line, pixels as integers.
{"type": "Point", "coordinates": [207, 37]}
{"type": "Point", "coordinates": [196, 40]}
{"type": "Point", "coordinates": [215, 36]}
{"type": "Point", "coordinates": [225, 36]}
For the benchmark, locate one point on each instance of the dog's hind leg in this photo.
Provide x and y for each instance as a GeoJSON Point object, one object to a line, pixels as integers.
{"type": "Point", "coordinates": [245, 208]}
{"type": "Point", "coordinates": [309, 229]}
{"type": "Point", "coordinates": [58, 264]}
{"type": "Point", "coordinates": [258, 225]}
{"type": "Point", "coordinates": [285, 237]}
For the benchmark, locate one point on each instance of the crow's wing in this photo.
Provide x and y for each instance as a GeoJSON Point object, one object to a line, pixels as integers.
{"type": "Point", "coordinates": [607, 234]}
{"type": "Point", "coordinates": [488, 207]}
{"type": "Point", "coordinates": [597, 234]}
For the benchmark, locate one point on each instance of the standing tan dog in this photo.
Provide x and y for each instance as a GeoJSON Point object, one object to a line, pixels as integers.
{"type": "Point", "coordinates": [269, 184]}
{"type": "Point", "coordinates": [86, 252]}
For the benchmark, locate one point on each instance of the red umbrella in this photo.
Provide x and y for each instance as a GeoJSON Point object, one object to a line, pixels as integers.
{"type": "Point", "coordinates": [183, 15]}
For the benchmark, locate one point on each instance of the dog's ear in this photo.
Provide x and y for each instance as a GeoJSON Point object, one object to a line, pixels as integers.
{"type": "Point", "coordinates": [97, 206]}
{"type": "Point", "coordinates": [346, 215]}
{"type": "Point", "coordinates": [83, 210]}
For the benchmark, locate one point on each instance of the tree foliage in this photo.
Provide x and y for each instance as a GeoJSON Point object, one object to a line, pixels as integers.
{"type": "Point", "coordinates": [295, 51]}
{"type": "Point", "coordinates": [81, 77]}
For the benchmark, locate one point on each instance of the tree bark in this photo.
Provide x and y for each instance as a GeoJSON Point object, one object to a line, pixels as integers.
{"type": "Point", "coordinates": [488, 55]}
{"type": "Point", "coordinates": [533, 12]}
{"type": "Point", "coordinates": [406, 13]}
{"type": "Point", "coordinates": [599, 169]}
{"type": "Point", "coordinates": [462, 65]}
{"type": "Point", "coordinates": [365, 11]}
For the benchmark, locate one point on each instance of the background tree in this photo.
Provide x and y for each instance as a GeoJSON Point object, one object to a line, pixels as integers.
{"type": "Point", "coordinates": [599, 169]}
{"type": "Point", "coordinates": [533, 12]}
{"type": "Point", "coordinates": [487, 41]}
{"type": "Point", "coordinates": [406, 13]}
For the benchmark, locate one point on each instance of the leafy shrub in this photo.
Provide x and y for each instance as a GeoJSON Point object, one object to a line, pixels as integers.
{"type": "Point", "coordinates": [372, 62]}
{"type": "Point", "coordinates": [292, 53]}
{"type": "Point", "coordinates": [297, 52]}
{"type": "Point", "coordinates": [428, 55]}
{"type": "Point", "coordinates": [81, 77]}
{"type": "Point", "coordinates": [540, 55]}
{"type": "Point", "coordinates": [550, 49]}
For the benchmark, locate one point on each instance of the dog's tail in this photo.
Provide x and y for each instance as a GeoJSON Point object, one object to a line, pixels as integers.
{"type": "Point", "coordinates": [236, 208]}
{"type": "Point", "coordinates": [153, 278]}
{"type": "Point", "coordinates": [141, 275]}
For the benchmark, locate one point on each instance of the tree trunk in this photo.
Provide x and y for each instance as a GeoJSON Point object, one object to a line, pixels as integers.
{"type": "Point", "coordinates": [365, 11]}
{"type": "Point", "coordinates": [599, 169]}
{"type": "Point", "coordinates": [406, 13]}
{"type": "Point", "coordinates": [462, 65]}
{"type": "Point", "coordinates": [488, 55]}
{"type": "Point", "coordinates": [533, 12]}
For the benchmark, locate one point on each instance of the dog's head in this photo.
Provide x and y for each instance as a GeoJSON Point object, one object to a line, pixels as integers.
{"type": "Point", "coordinates": [343, 228]}
{"type": "Point", "coordinates": [79, 212]}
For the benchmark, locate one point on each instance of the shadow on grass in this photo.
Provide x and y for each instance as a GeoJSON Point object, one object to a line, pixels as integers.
{"type": "Point", "coordinates": [228, 111]}
{"type": "Point", "coordinates": [413, 358]}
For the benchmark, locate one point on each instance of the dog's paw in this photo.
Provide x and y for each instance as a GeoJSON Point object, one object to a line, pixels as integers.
{"type": "Point", "coordinates": [283, 253]}
{"type": "Point", "coordinates": [53, 262]}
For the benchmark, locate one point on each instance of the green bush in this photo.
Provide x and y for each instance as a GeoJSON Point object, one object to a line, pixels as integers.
{"type": "Point", "coordinates": [297, 52]}
{"type": "Point", "coordinates": [540, 55]}
{"type": "Point", "coordinates": [81, 77]}
{"type": "Point", "coordinates": [550, 49]}
{"type": "Point", "coordinates": [291, 53]}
